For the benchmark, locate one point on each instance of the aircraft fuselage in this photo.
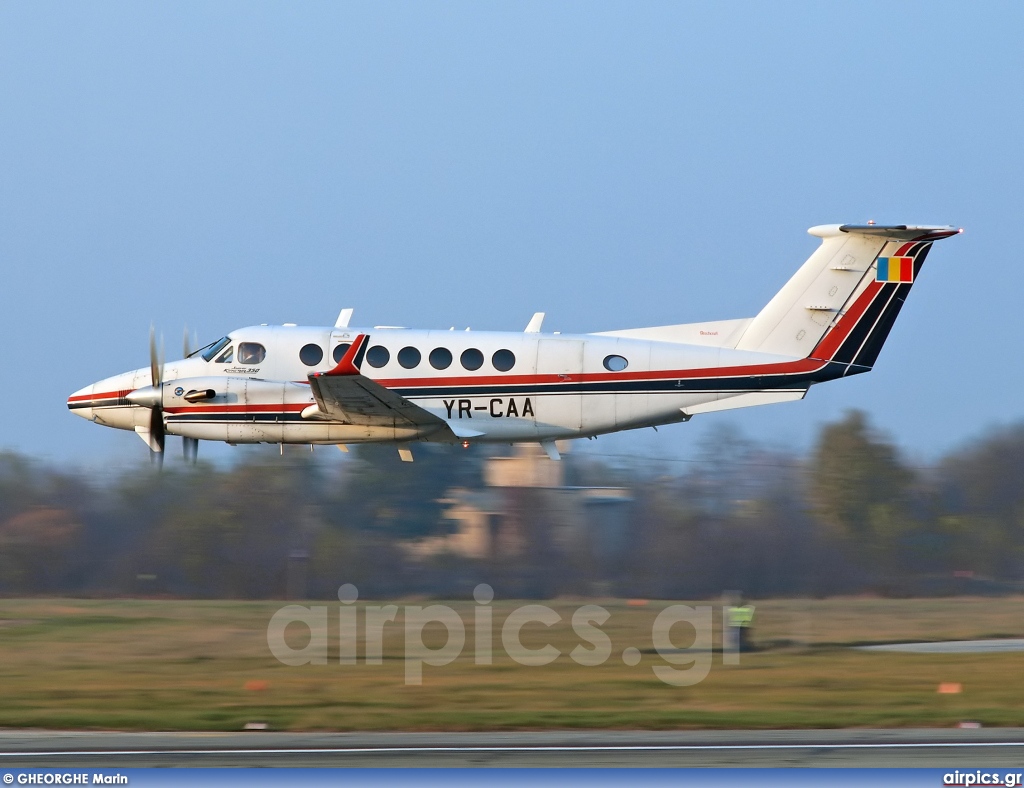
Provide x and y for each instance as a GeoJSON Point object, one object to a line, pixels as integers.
{"type": "Point", "coordinates": [548, 386]}
{"type": "Point", "coordinates": [298, 384]}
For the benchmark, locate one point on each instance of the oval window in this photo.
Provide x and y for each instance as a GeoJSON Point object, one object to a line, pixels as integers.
{"type": "Point", "coordinates": [339, 352]}
{"type": "Point", "coordinates": [503, 360]}
{"type": "Point", "coordinates": [440, 358]}
{"type": "Point", "coordinates": [378, 356]}
{"type": "Point", "coordinates": [251, 353]}
{"type": "Point", "coordinates": [472, 359]}
{"type": "Point", "coordinates": [409, 357]}
{"type": "Point", "coordinates": [615, 363]}
{"type": "Point", "coordinates": [311, 355]}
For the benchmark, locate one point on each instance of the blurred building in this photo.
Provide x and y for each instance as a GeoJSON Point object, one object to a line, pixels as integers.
{"type": "Point", "coordinates": [525, 509]}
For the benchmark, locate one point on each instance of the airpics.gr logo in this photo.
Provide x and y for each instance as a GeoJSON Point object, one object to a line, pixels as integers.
{"type": "Point", "coordinates": [979, 777]}
{"type": "Point", "coordinates": [680, 666]}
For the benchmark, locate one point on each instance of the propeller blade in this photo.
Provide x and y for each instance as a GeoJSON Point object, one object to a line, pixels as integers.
{"type": "Point", "coordinates": [186, 347]}
{"type": "Point", "coordinates": [152, 397]}
{"type": "Point", "coordinates": [190, 448]}
{"type": "Point", "coordinates": [156, 415]}
{"type": "Point", "coordinates": [155, 365]}
{"type": "Point", "coordinates": [156, 428]}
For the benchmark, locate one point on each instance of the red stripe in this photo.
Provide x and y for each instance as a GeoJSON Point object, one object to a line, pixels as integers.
{"type": "Point", "coordinates": [903, 249]}
{"type": "Point", "coordinates": [824, 350]}
{"type": "Point", "coordinates": [104, 395]}
{"type": "Point", "coordinates": [798, 365]}
{"type": "Point", "coordinates": [830, 343]}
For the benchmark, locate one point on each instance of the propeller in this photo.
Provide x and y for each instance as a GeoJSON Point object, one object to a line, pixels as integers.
{"type": "Point", "coordinates": [189, 446]}
{"type": "Point", "coordinates": [156, 415]}
{"type": "Point", "coordinates": [151, 397]}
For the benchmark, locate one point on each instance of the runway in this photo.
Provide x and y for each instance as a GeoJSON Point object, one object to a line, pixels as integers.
{"type": "Point", "coordinates": [1002, 747]}
{"type": "Point", "coordinates": [993, 646]}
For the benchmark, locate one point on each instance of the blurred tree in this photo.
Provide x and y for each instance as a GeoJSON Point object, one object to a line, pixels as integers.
{"type": "Point", "coordinates": [862, 491]}
{"type": "Point", "coordinates": [18, 484]}
{"type": "Point", "coordinates": [39, 550]}
{"type": "Point", "coordinates": [981, 506]}
{"type": "Point", "coordinates": [233, 533]}
{"type": "Point", "coordinates": [850, 517]}
{"type": "Point", "coordinates": [384, 494]}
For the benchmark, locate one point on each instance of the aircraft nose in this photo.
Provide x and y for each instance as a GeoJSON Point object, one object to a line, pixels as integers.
{"type": "Point", "coordinates": [80, 403]}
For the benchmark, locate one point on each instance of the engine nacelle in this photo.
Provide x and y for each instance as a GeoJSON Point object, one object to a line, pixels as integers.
{"type": "Point", "coordinates": [248, 410]}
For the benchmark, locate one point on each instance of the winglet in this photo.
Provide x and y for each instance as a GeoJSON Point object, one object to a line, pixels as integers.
{"type": "Point", "coordinates": [533, 327]}
{"type": "Point", "coordinates": [344, 317]}
{"type": "Point", "coordinates": [352, 360]}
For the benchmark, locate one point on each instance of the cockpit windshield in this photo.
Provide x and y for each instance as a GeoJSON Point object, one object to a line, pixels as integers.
{"type": "Point", "coordinates": [212, 350]}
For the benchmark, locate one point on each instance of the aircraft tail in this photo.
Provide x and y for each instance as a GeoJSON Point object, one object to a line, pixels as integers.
{"type": "Point", "coordinates": [841, 304]}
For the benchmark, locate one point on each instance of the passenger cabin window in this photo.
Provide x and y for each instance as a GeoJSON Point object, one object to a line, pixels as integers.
{"type": "Point", "coordinates": [378, 356]}
{"type": "Point", "coordinates": [615, 363]}
{"type": "Point", "coordinates": [409, 357]}
{"type": "Point", "coordinates": [503, 360]}
{"type": "Point", "coordinates": [311, 355]}
{"type": "Point", "coordinates": [251, 353]}
{"type": "Point", "coordinates": [472, 359]}
{"type": "Point", "coordinates": [227, 356]}
{"type": "Point", "coordinates": [340, 351]}
{"type": "Point", "coordinates": [440, 358]}
{"type": "Point", "coordinates": [215, 348]}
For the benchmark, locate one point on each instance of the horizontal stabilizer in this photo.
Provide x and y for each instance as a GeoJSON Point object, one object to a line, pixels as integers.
{"type": "Point", "coordinates": [748, 400]}
{"type": "Point", "coordinates": [901, 232]}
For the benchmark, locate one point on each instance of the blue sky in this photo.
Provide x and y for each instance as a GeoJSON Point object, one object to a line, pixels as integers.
{"type": "Point", "coordinates": [437, 164]}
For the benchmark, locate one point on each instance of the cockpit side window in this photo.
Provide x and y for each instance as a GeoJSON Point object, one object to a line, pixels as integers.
{"type": "Point", "coordinates": [251, 353]}
{"type": "Point", "coordinates": [227, 356]}
{"type": "Point", "coordinates": [215, 348]}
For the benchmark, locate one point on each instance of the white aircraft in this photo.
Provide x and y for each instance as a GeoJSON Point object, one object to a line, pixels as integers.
{"type": "Point", "coordinates": [340, 385]}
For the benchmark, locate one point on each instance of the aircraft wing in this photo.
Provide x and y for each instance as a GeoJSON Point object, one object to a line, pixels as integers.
{"type": "Point", "coordinates": [347, 395]}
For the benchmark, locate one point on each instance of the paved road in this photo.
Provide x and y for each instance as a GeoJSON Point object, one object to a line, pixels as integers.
{"type": "Point", "coordinates": [1003, 747]}
{"type": "Point", "coordinates": [953, 646]}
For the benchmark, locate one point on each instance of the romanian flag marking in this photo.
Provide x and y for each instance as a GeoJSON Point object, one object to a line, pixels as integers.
{"type": "Point", "coordinates": [895, 269]}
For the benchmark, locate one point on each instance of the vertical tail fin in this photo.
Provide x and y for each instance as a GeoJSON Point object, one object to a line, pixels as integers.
{"type": "Point", "coordinates": [841, 304]}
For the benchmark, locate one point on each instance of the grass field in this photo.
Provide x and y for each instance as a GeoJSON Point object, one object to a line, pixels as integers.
{"type": "Point", "coordinates": [184, 665]}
